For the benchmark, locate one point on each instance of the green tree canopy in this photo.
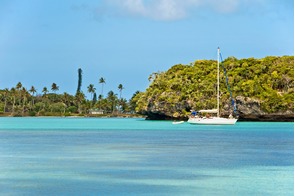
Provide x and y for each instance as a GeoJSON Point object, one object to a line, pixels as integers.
{"type": "Point", "coordinates": [269, 80]}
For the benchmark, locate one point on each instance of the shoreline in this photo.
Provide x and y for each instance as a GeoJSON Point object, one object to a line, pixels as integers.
{"type": "Point", "coordinates": [76, 116]}
{"type": "Point", "coordinates": [261, 119]}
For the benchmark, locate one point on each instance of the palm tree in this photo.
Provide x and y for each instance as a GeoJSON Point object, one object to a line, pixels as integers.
{"type": "Point", "coordinates": [80, 97]}
{"type": "Point", "coordinates": [33, 91]}
{"type": "Point", "coordinates": [13, 92]}
{"type": "Point", "coordinates": [66, 98]}
{"type": "Point", "coordinates": [5, 94]}
{"type": "Point", "coordinates": [44, 97]}
{"type": "Point", "coordinates": [120, 87]}
{"type": "Point", "coordinates": [123, 105]}
{"type": "Point", "coordinates": [54, 87]}
{"type": "Point", "coordinates": [112, 99]}
{"type": "Point", "coordinates": [102, 81]}
{"type": "Point", "coordinates": [100, 99]}
{"type": "Point", "coordinates": [91, 90]}
{"type": "Point", "coordinates": [45, 91]}
{"type": "Point", "coordinates": [24, 95]}
{"type": "Point", "coordinates": [18, 88]}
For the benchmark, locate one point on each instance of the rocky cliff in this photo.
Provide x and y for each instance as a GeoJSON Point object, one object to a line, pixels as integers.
{"type": "Point", "coordinates": [263, 89]}
{"type": "Point", "coordinates": [250, 110]}
{"type": "Point", "coordinates": [247, 110]}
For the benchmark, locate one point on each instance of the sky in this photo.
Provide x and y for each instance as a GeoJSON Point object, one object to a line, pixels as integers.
{"type": "Point", "coordinates": [124, 41]}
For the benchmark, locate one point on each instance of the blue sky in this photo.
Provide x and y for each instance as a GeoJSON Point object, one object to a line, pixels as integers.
{"type": "Point", "coordinates": [124, 41]}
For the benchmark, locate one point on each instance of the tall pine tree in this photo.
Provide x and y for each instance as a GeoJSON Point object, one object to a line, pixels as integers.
{"type": "Point", "coordinates": [94, 100]}
{"type": "Point", "coordinates": [79, 80]}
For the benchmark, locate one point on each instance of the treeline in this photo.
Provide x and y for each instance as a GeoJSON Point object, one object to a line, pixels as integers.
{"type": "Point", "coordinates": [269, 80]}
{"type": "Point", "coordinates": [22, 101]}
{"type": "Point", "coordinates": [175, 92]}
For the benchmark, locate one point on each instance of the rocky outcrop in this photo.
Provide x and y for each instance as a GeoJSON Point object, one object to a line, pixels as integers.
{"type": "Point", "coordinates": [248, 110]}
{"type": "Point", "coordinates": [165, 111]}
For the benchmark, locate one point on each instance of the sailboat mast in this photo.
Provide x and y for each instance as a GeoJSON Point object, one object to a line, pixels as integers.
{"type": "Point", "coordinates": [218, 53]}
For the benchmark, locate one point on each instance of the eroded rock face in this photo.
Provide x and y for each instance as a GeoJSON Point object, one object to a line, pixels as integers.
{"type": "Point", "coordinates": [165, 111]}
{"type": "Point", "coordinates": [248, 110]}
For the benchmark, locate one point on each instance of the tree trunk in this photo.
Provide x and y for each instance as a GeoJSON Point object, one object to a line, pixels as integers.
{"type": "Point", "coordinates": [13, 105]}
{"type": "Point", "coordinates": [4, 106]}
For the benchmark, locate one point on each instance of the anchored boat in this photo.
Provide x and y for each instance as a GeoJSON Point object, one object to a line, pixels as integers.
{"type": "Point", "coordinates": [196, 117]}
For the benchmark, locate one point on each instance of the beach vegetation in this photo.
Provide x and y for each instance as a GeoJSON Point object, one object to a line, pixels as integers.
{"type": "Point", "coordinates": [18, 101]}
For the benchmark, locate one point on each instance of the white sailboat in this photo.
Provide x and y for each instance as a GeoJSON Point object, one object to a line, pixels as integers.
{"type": "Point", "coordinates": [213, 120]}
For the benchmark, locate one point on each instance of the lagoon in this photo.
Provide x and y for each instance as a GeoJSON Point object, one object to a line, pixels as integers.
{"type": "Point", "coordinates": [115, 156]}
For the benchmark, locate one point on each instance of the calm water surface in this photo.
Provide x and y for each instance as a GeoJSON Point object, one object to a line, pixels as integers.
{"type": "Point", "coordinates": [109, 156]}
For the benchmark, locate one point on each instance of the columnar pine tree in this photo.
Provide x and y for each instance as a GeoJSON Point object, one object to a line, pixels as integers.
{"type": "Point", "coordinates": [94, 100]}
{"type": "Point", "coordinates": [79, 80]}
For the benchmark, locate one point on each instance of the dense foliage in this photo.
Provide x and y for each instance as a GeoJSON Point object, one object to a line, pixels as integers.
{"type": "Point", "coordinates": [175, 92]}
{"type": "Point", "coordinates": [269, 80]}
{"type": "Point", "coordinates": [18, 101]}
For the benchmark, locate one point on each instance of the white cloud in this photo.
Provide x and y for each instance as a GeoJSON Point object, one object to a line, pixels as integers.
{"type": "Point", "coordinates": [170, 9]}
{"type": "Point", "coordinates": [167, 10]}
{"type": "Point", "coordinates": [133, 6]}
{"type": "Point", "coordinates": [155, 9]}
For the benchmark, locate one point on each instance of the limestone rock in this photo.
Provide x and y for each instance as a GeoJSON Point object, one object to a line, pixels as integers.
{"type": "Point", "coordinates": [248, 109]}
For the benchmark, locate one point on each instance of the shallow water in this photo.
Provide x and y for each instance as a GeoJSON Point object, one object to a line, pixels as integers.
{"type": "Point", "coordinates": [109, 156]}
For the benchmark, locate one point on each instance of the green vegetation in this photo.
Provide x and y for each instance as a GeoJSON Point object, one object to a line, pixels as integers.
{"type": "Point", "coordinates": [18, 101]}
{"type": "Point", "coordinates": [269, 80]}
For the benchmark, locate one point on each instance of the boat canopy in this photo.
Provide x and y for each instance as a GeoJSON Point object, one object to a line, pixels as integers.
{"type": "Point", "coordinates": [208, 111]}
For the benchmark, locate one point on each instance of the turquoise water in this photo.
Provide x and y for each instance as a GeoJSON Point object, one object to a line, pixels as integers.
{"type": "Point", "coordinates": [109, 156]}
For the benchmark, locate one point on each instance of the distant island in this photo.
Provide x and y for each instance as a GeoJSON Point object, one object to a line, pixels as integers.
{"type": "Point", "coordinates": [262, 88]}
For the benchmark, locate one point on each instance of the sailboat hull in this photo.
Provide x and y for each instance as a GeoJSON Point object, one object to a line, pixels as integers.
{"type": "Point", "coordinates": [212, 121]}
